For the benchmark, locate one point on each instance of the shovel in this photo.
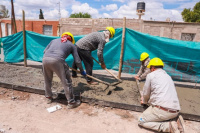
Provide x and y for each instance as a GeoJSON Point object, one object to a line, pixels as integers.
{"type": "Point", "coordinates": [106, 83]}
{"type": "Point", "coordinates": [109, 87]}
{"type": "Point", "coordinates": [145, 106]}
{"type": "Point", "coordinates": [138, 87]}
{"type": "Point", "coordinates": [108, 71]}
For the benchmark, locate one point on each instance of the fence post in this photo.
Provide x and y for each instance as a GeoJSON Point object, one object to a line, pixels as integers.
{"type": "Point", "coordinates": [24, 39]}
{"type": "Point", "coordinates": [122, 48]}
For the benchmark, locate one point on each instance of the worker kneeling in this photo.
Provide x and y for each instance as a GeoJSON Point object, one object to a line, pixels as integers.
{"type": "Point", "coordinates": [159, 91]}
{"type": "Point", "coordinates": [54, 61]}
{"type": "Point", "coordinates": [142, 73]}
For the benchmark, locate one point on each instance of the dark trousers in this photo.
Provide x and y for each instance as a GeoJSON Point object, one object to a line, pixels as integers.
{"type": "Point", "coordinates": [86, 57]}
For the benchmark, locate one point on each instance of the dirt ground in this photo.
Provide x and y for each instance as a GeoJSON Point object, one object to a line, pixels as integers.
{"type": "Point", "coordinates": [23, 112]}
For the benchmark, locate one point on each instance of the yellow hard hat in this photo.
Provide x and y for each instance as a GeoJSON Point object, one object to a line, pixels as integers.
{"type": "Point", "coordinates": [112, 31]}
{"type": "Point", "coordinates": [155, 62]}
{"type": "Point", "coordinates": [143, 56]}
{"type": "Point", "coordinates": [70, 34]}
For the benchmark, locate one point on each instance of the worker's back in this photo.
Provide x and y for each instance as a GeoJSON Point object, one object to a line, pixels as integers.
{"type": "Point", "coordinates": [163, 91]}
{"type": "Point", "coordinates": [57, 49]}
{"type": "Point", "coordinates": [91, 41]}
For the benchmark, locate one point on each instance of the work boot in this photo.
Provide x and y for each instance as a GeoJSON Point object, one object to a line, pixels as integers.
{"type": "Point", "coordinates": [50, 99]}
{"type": "Point", "coordinates": [74, 104]}
{"type": "Point", "coordinates": [173, 127]}
{"type": "Point", "coordinates": [93, 83]}
{"type": "Point", "coordinates": [74, 76]}
{"type": "Point", "coordinates": [181, 124]}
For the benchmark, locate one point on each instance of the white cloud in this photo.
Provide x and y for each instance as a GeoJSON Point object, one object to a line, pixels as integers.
{"type": "Point", "coordinates": [154, 10]}
{"type": "Point", "coordinates": [110, 7]}
{"type": "Point", "coordinates": [85, 8]}
{"type": "Point", "coordinates": [122, 1]}
{"type": "Point", "coordinates": [106, 15]}
{"type": "Point", "coordinates": [32, 8]}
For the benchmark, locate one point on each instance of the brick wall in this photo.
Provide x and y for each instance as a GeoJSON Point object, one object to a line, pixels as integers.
{"type": "Point", "coordinates": [32, 25]}
{"type": "Point", "coordinates": [82, 26]}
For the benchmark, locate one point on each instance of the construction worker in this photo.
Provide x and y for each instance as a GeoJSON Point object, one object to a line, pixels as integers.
{"type": "Point", "coordinates": [89, 43]}
{"type": "Point", "coordinates": [142, 73]}
{"type": "Point", "coordinates": [54, 61]}
{"type": "Point", "coordinates": [160, 93]}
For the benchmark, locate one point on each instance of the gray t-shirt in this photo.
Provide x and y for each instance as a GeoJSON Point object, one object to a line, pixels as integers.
{"type": "Point", "coordinates": [93, 41]}
{"type": "Point", "coordinates": [58, 50]}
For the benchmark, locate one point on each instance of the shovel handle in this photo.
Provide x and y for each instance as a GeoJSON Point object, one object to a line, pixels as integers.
{"type": "Point", "coordinates": [138, 86]}
{"type": "Point", "coordinates": [108, 70]}
{"type": "Point", "coordinates": [91, 77]}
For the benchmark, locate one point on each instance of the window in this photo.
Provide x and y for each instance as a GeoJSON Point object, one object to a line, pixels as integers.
{"type": "Point", "coordinates": [3, 29]}
{"type": "Point", "coordinates": [9, 29]}
{"type": "Point", "coordinates": [187, 36]}
{"type": "Point", "coordinates": [47, 30]}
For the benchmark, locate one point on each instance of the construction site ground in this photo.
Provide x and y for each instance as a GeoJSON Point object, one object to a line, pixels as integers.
{"type": "Point", "coordinates": [25, 112]}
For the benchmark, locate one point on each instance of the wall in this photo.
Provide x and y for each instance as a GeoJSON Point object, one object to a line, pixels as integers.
{"type": "Point", "coordinates": [32, 25]}
{"type": "Point", "coordinates": [82, 26]}
{"type": "Point", "coordinates": [174, 30]}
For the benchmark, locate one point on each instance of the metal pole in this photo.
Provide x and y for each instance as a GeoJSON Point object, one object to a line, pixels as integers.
{"type": "Point", "coordinates": [122, 48]}
{"type": "Point", "coordinates": [24, 39]}
{"type": "Point", "coordinates": [59, 10]}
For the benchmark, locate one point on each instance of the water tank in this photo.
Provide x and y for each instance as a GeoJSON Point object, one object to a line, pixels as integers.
{"type": "Point", "coordinates": [141, 6]}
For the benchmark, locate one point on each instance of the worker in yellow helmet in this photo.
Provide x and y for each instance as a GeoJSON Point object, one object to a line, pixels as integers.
{"type": "Point", "coordinates": [54, 61]}
{"type": "Point", "coordinates": [89, 43]}
{"type": "Point", "coordinates": [142, 73]}
{"type": "Point", "coordinates": [160, 93]}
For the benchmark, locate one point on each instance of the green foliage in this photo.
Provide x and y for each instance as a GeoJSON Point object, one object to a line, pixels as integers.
{"type": "Point", "coordinates": [5, 14]}
{"type": "Point", "coordinates": [189, 15]}
{"type": "Point", "coordinates": [80, 15]}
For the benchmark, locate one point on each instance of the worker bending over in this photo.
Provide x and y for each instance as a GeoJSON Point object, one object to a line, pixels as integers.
{"type": "Point", "coordinates": [54, 61]}
{"type": "Point", "coordinates": [144, 58]}
{"type": "Point", "coordinates": [89, 43]}
{"type": "Point", "coordinates": [159, 91]}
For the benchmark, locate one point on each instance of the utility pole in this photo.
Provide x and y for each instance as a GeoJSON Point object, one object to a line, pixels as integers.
{"type": "Point", "coordinates": [59, 10]}
{"type": "Point", "coordinates": [13, 22]}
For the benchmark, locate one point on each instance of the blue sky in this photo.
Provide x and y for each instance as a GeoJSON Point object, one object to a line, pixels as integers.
{"type": "Point", "coordinates": [158, 10]}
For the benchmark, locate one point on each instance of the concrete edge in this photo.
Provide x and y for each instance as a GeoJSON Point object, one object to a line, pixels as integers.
{"type": "Point", "coordinates": [93, 101]}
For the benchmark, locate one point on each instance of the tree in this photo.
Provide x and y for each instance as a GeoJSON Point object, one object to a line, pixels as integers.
{"type": "Point", "coordinates": [41, 16]}
{"type": "Point", "coordinates": [80, 15]}
{"type": "Point", "coordinates": [189, 15]}
{"type": "Point", "coordinates": [4, 14]}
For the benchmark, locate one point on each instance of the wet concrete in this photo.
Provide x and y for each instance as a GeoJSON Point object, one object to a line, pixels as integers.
{"type": "Point", "coordinates": [125, 92]}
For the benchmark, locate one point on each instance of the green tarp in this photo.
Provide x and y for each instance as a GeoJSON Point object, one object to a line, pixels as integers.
{"type": "Point", "coordinates": [181, 58]}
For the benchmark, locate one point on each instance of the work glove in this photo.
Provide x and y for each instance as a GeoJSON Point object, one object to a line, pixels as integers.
{"type": "Point", "coordinates": [103, 66]}
{"type": "Point", "coordinates": [83, 73]}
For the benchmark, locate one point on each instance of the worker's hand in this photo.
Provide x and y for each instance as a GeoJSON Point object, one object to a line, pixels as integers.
{"type": "Point", "coordinates": [103, 65]}
{"type": "Point", "coordinates": [137, 77]}
{"type": "Point", "coordinates": [141, 100]}
{"type": "Point", "coordinates": [83, 73]}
